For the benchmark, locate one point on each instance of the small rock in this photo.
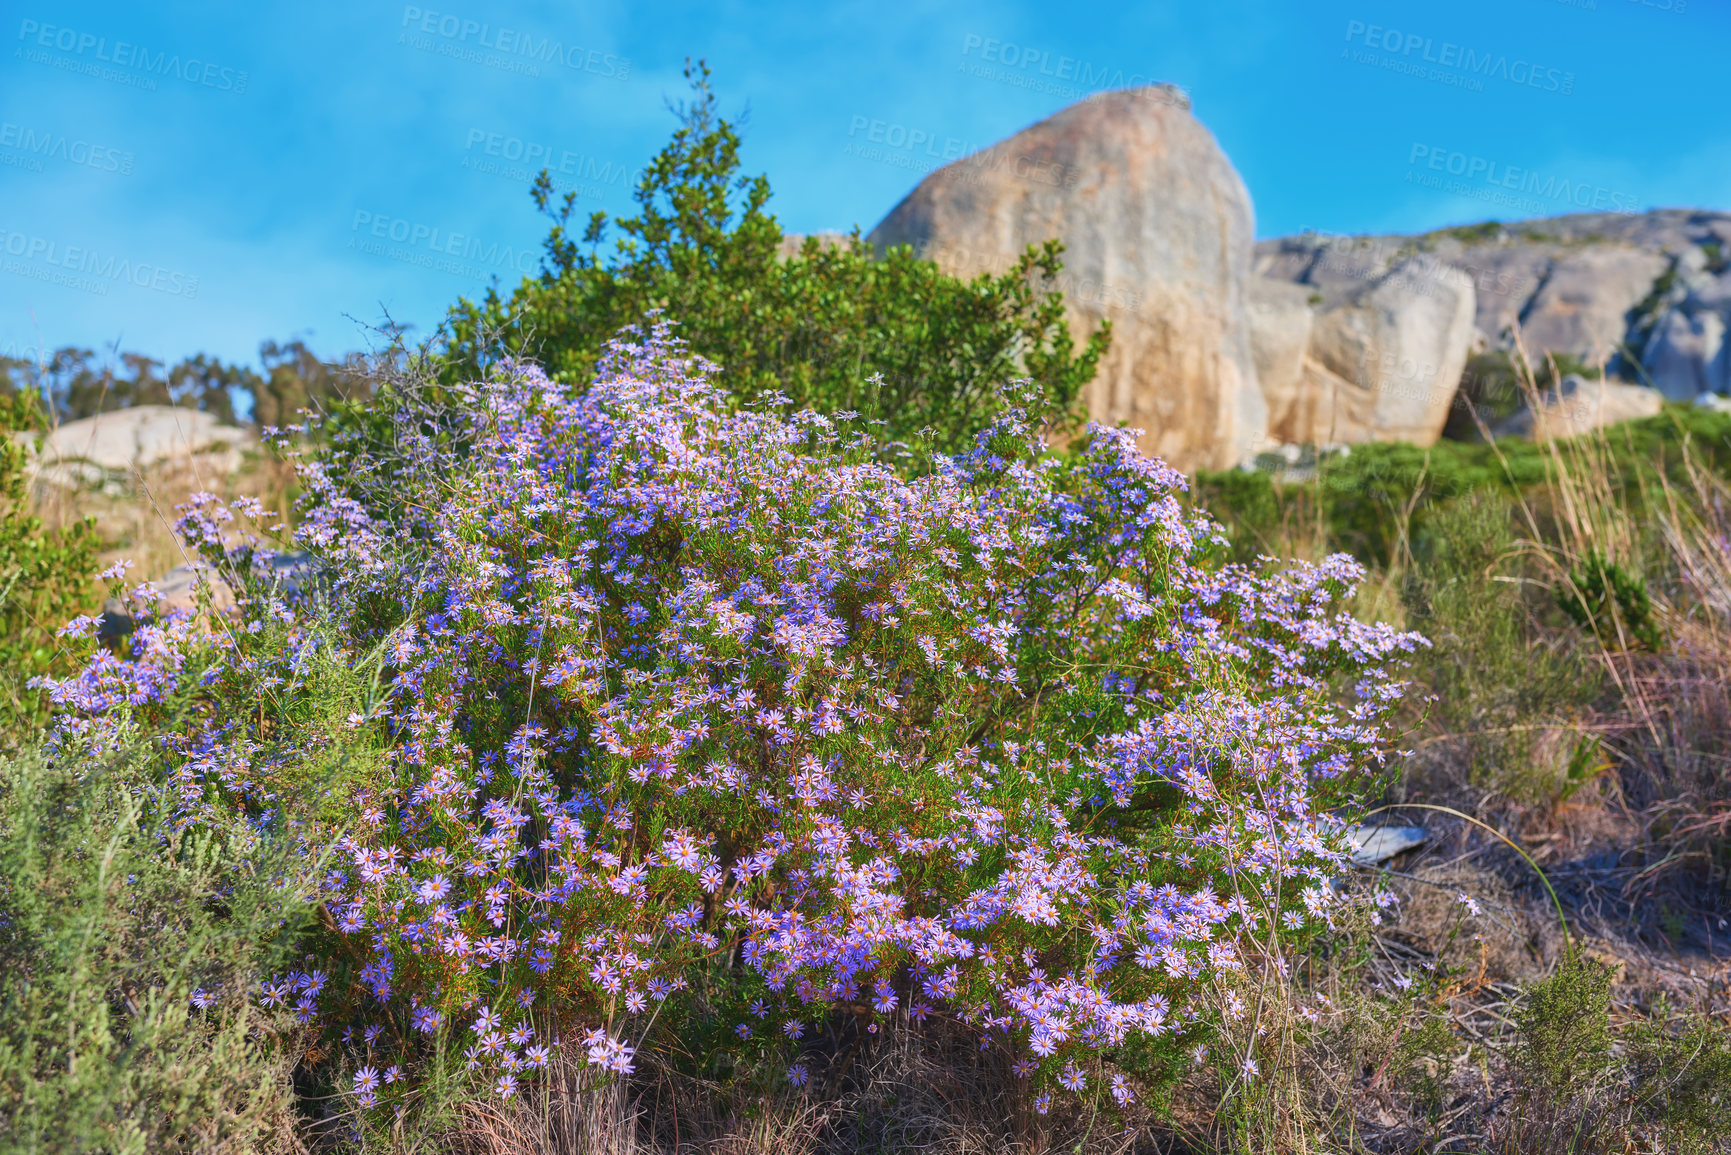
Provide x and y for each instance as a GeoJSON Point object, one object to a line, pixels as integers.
{"type": "Point", "coordinates": [1373, 844]}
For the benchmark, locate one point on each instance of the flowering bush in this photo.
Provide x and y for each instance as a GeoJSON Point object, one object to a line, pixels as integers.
{"type": "Point", "coordinates": [700, 725]}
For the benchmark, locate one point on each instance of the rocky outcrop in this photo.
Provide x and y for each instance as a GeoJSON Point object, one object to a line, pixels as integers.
{"type": "Point", "coordinates": [1222, 348]}
{"type": "Point", "coordinates": [1685, 353]}
{"type": "Point", "coordinates": [112, 446]}
{"type": "Point", "coordinates": [1685, 356]}
{"type": "Point", "coordinates": [1579, 405]}
{"type": "Point", "coordinates": [1154, 217]}
{"type": "Point", "coordinates": [1381, 364]}
{"type": "Point", "coordinates": [1583, 304]}
{"type": "Point", "coordinates": [1647, 295]}
{"type": "Point", "coordinates": [1573, 283]}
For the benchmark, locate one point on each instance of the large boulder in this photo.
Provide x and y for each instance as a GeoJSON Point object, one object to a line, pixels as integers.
{"type": "Point", "coordinates": [114, 445]}
{"type": "Point", "coordinates": [1385, 364]}
{"type": "Point", "coordinates": [1157, 228]}
{"type": "Point", "coordinates": [1579, 405]}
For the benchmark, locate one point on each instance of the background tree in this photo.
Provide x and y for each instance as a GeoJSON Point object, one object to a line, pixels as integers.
{"type": "Point", "coordinates": [75, 383]}
{"type": "Point", "coordinates": [296, 379]}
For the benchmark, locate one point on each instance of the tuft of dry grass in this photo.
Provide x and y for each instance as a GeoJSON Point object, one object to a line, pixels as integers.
{"type": "Point", "coordinates": [926, 1090]}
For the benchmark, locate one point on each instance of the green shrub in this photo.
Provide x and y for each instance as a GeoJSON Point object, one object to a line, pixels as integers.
{"type": "Point", "coordinates": [959, 725]}
{"type": "Point", "coordinates": [1660, 1083]}
{"type": "Point", "coordinates": [814, 327]}
{"type": "Point", "coordinates": [1681, 1070]}
{"type": "Point", "coordinates": [130, 950]}
{"type": "Point", "coordinates": [44, 579]}
{"type": "Point", "coordinates": [1611, 603]}
{"type": "Point", "coordinates": [1564, 1048]}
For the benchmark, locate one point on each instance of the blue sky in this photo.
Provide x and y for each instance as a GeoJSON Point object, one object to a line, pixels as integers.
{"type": "Point", "coordinates": [183, 178]}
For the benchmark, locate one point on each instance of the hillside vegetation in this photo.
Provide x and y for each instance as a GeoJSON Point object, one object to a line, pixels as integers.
{"type": "Point", "coordinates": [736, 704]}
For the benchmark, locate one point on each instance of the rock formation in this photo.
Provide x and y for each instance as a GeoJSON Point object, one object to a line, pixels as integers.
{"type": "Point", "coordinates": [1648, 295]}
{"type": "Point", "coordinates": [1583, 303]}
{"type": "Point", "coordinates": [1384, 363]}
{"type": "Point", "coordinates": [111, 446]}
{"type": "Point", "coordinates": [1685, 353]}
{"type": "Point", "coordinates": [1222, 348]}
{"type": "Point", "coordinates": [1158, 232]}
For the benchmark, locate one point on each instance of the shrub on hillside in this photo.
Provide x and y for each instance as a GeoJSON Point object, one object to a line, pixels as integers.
{"type": "Point", "coordinates": [1662, 1083]}
{"type": "Point", "coordinates": [829, 328]}
{"type": "Point", "coordinates": [700, 725]}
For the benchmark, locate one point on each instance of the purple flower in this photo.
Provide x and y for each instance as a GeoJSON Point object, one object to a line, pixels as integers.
{"type": "Point", "coordinates": [433, 889]}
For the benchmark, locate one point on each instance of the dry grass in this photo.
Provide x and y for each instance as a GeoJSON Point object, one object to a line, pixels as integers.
{"type": "Point", "coordinates": [914, 1090]}
{"type": "Point", "coordinates": [134, 515]}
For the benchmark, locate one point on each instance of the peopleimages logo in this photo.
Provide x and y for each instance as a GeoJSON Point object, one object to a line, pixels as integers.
{"type": "Point", "coordinates": [430, 247]}
{"type": "Point", "coordinates": [1462, 63]}
{"type": "Point", "coordinates": [85, 52]}
{"type": "Point", "coordinates": [1540, 191]}
{"type": "Point", "coordinates": [86, 269]}
{"type": "Point", "coordinates": [1017, 61]}
{"type": "Point", "coordinates": [39, 146]}
{"type": "Point", "coordinates": [925, 150]}
{"type": "Point", "coordinates": [535, 156]}
{"type": "Point", "coordinates": [909, 138]}
{"type": "Point", "coordinates": [517, 51]}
